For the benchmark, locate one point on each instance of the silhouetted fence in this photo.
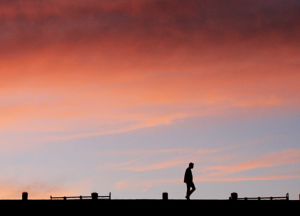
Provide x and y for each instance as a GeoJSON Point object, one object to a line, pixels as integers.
{"type": "Point", "coordinates": [94, 196]}
{"type": "Point", "coordinates": [234, 197]}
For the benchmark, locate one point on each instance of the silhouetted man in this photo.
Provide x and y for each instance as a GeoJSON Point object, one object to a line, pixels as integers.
{"type": "Point", "coordinates": [188, 179]}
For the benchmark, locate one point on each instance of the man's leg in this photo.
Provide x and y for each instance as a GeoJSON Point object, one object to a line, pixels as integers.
{"type": "Point", "coordinates": [193, 188]}
{"type": "Point", "coordinates": [188, 191]}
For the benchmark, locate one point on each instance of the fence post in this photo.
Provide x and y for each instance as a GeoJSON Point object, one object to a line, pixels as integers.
{"type": "Point", "coordinates": [165, 196]}
{"type": "Point", "coordinates": [94, 196]}
{"type": "Point", "coordinates": [234, 196]}
{"type": "Point", "coordinates": [24, 196]}
{"type": "Point", "coordinates": [50, 197]}
{"type": "Point", "coordinates": [109, 195]}
{"type": "Point", "coordinates": [65, 198]}
{"type": "Point", "coordinates": [287, 196]}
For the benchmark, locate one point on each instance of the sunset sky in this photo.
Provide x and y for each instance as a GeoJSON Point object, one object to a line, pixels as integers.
{"type": "Point", "coordinates": [121, 95]}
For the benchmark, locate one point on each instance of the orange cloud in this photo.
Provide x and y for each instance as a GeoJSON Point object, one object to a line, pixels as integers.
{"type": "Point", "coordinates": [146, 152]}
{"type": "Point", "coordinates": [185, 157]}
{"type": "Point", "coordinates": [288, 156]}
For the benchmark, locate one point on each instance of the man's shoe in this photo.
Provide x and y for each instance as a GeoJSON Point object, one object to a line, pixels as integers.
{"type": "Point", "coordinates": [187, 198]}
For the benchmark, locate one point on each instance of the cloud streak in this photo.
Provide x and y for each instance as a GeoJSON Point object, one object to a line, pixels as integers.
{"type": "Point", "coordinates": [288, 156]}
{"type": "Point", "coordinates": [272, 159]}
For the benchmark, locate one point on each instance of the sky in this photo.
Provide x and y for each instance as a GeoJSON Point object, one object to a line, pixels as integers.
{"type": "Point", "coordinates": [121, 95]}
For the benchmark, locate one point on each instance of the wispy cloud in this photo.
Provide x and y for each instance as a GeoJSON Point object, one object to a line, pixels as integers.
{"type": "Point", "coordinates": [182, 156]}
{"type": "Point", "coordinates": [146, 152]}
{"type": "Point", "coordinates": [288, 156]}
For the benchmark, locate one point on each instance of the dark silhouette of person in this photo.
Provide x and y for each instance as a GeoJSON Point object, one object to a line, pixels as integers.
{"type": "Point", "coordinates": [188, 179]}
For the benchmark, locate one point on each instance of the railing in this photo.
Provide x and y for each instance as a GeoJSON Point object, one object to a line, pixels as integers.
{"type": "Point", "coordinates": [265, 198]}
{"type": "Point", "coordinates": [94, 196]}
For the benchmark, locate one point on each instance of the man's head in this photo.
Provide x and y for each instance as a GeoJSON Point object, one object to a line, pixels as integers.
{"type": "Point", "coordinates": [191, 165]}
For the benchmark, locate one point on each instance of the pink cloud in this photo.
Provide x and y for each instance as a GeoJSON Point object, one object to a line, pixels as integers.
{"type": "Point", "coordinates": [288, 156]}
{"type": "Point", "coordinates": [184, 157]}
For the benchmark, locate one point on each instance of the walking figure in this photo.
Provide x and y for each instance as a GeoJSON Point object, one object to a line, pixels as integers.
{"type": "Point", "coordinates": [188, 179]}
